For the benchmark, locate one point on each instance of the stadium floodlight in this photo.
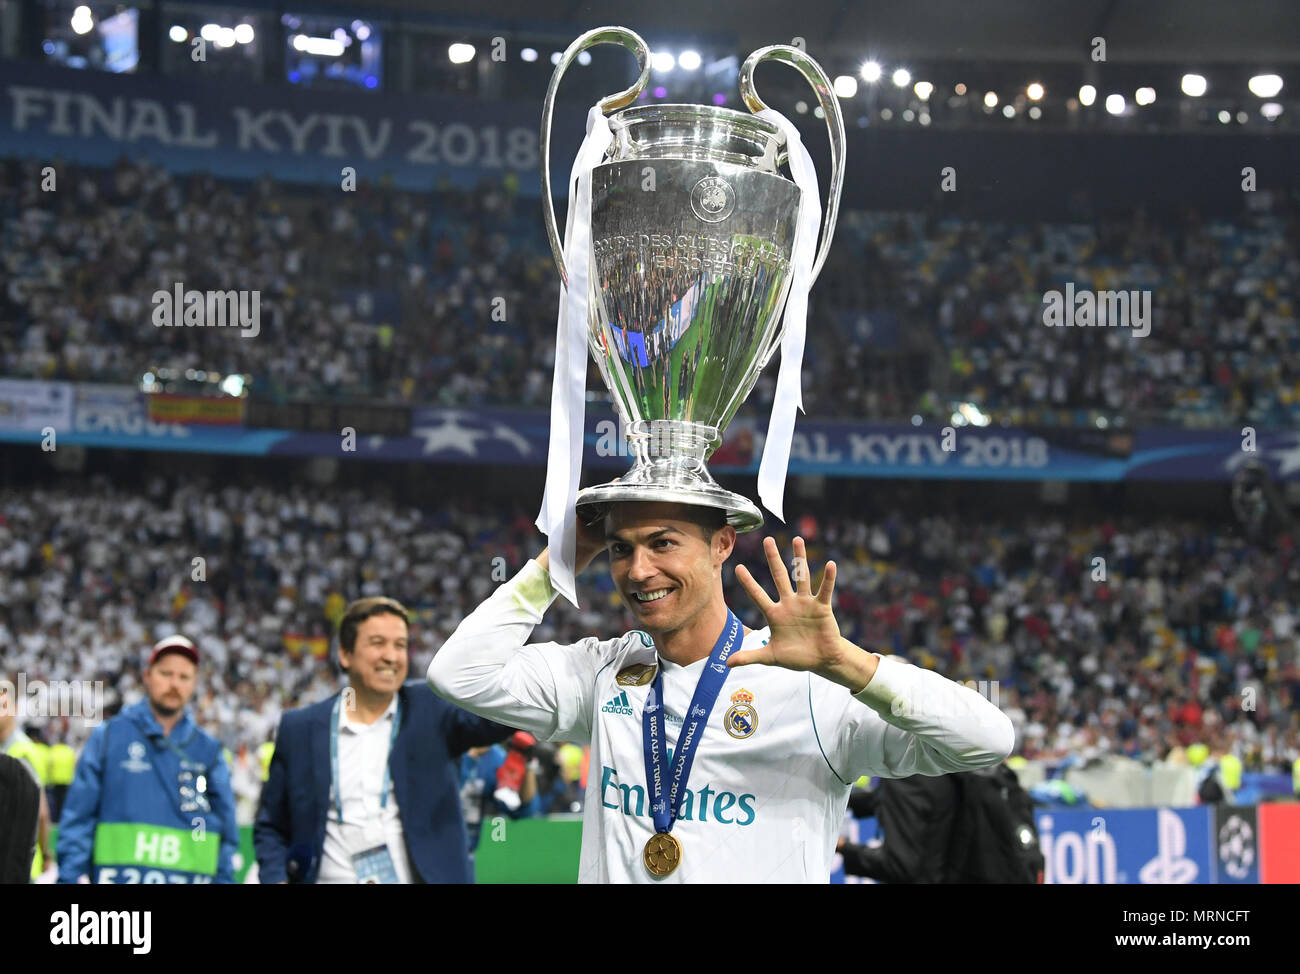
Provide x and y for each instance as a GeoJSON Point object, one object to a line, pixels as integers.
{"type": "Point", "coordinates": [82, 20]}
{"type": "Point", "coordinates": [225, 37]}
{"type": "Point", "coordinates": [210, 33]}
{"type": "Point", "coordinates": [688, 60]}
{"type": "Point", "coordinates": [1035, 91]}
{"type": "Point", "coordinates": [662, 61]}
{"type": "Point", "coordinates": [846, 86]}
{"type": "Point", "coordinates": [924, 118]}
{"type": "Point", "coordinates": [1115, 104]}
{"type": "Point", "coordinates": [361, 29]}
{"type": "Point", "coordinates": [244, 33]}
{"type": "Point", "coordinates": [801, 107]}
{"type": "Point", "coordinates": [1194, 85]}
{"type": "Point", "coordinates": [1087, 95]}
{"type": "Point", "coordinates": [528, 54]}
{"type": "Point", "coordinates": [584, 58]}
{"type": "Point", "coordinates": [923, 90]}
{"type": "Point", "coordinates": [556, 56]}
{"type": "Point", "coordinates": [460, 53]}
{"type": "Point", "coordinates": [1225, 117]}
{"type": "Point", "coordinates": [959, 88]}
{"type": "Point", "coordinates": [1265, 85]}
{"type": "Point", "coordinates": [870, 72]}
{"type": "Point", "coordinates": [1008, 111]}
{"type": "Point", "coordinates": [990, 99]}
{"type": "Point", "coordinates": [178, 34]}
{"type": "Point", "coordinates": [1035, 112]}
{"type": "Point", "coordinates": [1270, 110]}
{"type": "Point", "coordinates": [1145, 96]}
{"type": "Point", "coordinates": [319, 46]}
{"type": "Point", "coordinates": [902, 77]}
{"type": "Point", "coordinates": [233, 385]}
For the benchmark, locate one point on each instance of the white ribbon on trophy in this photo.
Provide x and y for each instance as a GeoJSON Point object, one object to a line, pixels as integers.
{"type": "Point", "coordinates": [557, 518]}
{"type": "Point", "coordinates": [789, 396]}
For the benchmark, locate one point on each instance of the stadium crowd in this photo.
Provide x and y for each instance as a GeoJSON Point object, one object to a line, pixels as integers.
{"type": "Point", "coordinates": [381, 293]}
{"type": "Point", "coordinates": [1134, 636]}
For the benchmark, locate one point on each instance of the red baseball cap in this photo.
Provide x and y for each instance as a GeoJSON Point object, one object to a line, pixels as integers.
{"type": "Point", "coordinates": [174, 644]}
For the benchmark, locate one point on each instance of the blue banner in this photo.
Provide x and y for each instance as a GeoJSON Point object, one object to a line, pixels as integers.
{"type": "Point", "coordinates": [1146, 846]}
{"type": "Point", "coordinates": [117, 416]}
{"type": "Point", "coordinates": [1131, 845]}
{"type": "Point", "coordinates": [242, 130]}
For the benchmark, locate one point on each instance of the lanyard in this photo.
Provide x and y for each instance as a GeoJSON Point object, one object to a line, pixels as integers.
{"type": "Point", "coordinates": [198, 800]}
{"type": "Point", "coordinates": [335, 787]}
{"type": "Point", "coordinates": [652, 720]}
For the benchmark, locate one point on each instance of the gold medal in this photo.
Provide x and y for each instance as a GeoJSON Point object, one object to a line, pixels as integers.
{"type": "Point", "coordinates": [663, 854]}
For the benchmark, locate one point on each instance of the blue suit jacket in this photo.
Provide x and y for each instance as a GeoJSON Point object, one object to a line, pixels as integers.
{"type": "Point", "coordinates": [425, 767]}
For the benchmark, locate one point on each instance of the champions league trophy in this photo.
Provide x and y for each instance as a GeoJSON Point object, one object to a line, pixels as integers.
{"type": "Point", "coordinates": [684, 244]}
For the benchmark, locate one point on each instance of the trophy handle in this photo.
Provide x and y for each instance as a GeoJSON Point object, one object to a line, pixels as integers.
{"type": "Point", "coordinates": [830, 104]}
{"type": "Point", "coordinates": [601, 35]}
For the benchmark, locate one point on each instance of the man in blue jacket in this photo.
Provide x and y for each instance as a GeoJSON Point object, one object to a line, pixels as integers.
{"type": "Point", "coordinates": [151, 801]}
{"type": "Point", "coordinates": [363, 786]}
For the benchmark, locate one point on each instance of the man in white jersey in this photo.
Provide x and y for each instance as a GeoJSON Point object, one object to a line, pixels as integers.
{"type": "Point", "coordinates": [800, 714]}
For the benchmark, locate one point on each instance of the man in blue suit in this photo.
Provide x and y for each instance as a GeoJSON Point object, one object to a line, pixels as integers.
{"type": "Point", "coordinates": [363, 787]}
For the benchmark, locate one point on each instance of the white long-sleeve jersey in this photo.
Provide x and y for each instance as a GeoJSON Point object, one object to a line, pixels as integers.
{"type": "Point", "coordinates": [770, 781]}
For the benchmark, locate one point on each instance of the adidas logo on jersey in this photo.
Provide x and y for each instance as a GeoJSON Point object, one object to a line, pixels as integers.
{"type": "Point", "coordinates": [619, 705]}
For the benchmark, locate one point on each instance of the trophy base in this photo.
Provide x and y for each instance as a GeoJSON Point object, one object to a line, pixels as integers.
{"type": "Point", "coordinates": [742, 513]}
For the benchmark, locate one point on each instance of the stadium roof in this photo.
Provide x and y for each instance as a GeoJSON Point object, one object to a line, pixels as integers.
{"type": "Point", "coordinates": [1192, 31]}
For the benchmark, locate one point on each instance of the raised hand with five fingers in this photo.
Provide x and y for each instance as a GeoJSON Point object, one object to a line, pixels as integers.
{"type": "Point", "coordinates": [805, 635]}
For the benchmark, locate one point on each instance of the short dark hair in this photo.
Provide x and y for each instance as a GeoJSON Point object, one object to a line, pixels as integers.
{"type": "Point", "coordinates": [362, 609]}
{"type": "Point", "coordinates": [708, 519]}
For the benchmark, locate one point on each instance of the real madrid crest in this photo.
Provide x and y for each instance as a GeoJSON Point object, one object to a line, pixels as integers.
{"type": "Point", "coordinates": [742, 719]}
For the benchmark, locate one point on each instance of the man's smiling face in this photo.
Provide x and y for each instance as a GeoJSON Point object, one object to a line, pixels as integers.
{"type": "Point", "coordinates": [665, 568]}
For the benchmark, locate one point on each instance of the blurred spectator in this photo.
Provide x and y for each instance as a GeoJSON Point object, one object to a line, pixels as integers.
{"type": "Point", "coordinates": [389, 294]}
{"type": "Point", "coordinates": [497, 783]}
{"type": "Point", "coordinates": [1191, 622]}
{"type": "Point", "coordinates": [916, 816]}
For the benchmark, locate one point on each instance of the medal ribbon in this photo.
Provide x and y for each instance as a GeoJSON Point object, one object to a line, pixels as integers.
{"type": "Point", "coordinates": [665, 795]}
{"type": "Point", "coordinates": [558, 520]}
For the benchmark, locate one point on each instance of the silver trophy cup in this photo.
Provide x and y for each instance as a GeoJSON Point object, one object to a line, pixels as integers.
{"type": "Point", "coordinates": [692, 231]}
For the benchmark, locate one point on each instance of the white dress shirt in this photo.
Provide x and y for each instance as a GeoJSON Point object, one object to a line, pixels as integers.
{"type": "Point", "coordinates": [363, 756]}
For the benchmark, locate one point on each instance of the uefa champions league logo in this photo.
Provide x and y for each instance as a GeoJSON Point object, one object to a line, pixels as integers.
{"type": "Point", "coordinates": [1237, 847]}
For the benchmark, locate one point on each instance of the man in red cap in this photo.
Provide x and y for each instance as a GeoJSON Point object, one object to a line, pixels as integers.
{"type": "Point", "coordinates": [152, 801]}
